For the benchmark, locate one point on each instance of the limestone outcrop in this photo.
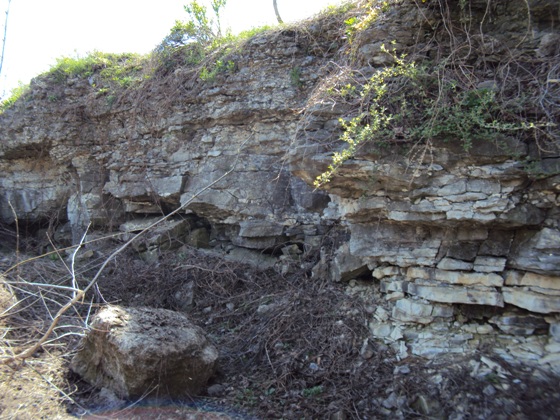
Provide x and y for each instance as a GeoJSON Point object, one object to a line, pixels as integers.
{"type": "Point", "coordinates": [136, 352]}
{"type": "Point", "coordinates": [464, 246]}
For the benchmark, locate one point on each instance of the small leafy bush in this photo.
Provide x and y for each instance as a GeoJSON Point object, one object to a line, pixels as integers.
{"type": "Point", "coordinates": [200, 28]}
{"type": "Point", "coordinates": [118, 69]}
{"type": "Point", "coordinates": [188, 41]}
{"type": "Point", "coordinates": [15, 94]}
{"type": "Point", "coordinates": [200, 39]}
{"type": "Point", "coordinates": [339, 9]}
{"type": "Point", "coordinates": [250, 33]}
{"type": "Point", "coordinates": [374, 118]}
{"type": "Point", "coordinates": [295, 77]}
{"type": "Point", "coordinates": [220, 66]}
{"type": "Point", "coordinates": [356, 24]}
{"type": "Point", "coordinates": [419, 104]}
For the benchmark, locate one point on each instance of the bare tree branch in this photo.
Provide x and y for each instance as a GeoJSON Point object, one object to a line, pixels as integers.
{"type": "Point", "coordinates": [80, 294]}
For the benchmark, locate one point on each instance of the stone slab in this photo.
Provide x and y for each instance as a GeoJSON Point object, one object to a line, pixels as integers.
{"type": "Point", "coordinates": [455, 277]}
{"type": "Point", "coordinates": [530, 300]}
{"type": "Point", "coordinates": [533, 279]}
{"type": "Point", "coordinates": [259, 228]}
{"type": "Point", "coordinates": [454, 264]}
{"type": "Point", "coordinates": [485, 264]}
{"type": "Point", "coordinates": [408, 310]}
{"type": "Point", "coordinates": [443, 293]}
{"type": "Point", "coordinates": [381, 272]}
{"type": "Point", "coordinates": [519, 324]}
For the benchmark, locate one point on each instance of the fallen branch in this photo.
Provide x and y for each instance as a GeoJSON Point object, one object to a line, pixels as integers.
{"type": "Point", "coordinates": [80, 294]}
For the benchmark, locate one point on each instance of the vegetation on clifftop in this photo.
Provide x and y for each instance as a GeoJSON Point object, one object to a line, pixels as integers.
{"type": "Point", "coordinates": [198, 42]}
{"type": "Point", "coordinates": [294, 344]}
{"type": "Point", "coordinates": [463, 92]}
{"type": "Point", "coordinates": [468, 94]}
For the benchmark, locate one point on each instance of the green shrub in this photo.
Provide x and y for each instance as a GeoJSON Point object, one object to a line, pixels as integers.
{"type": "Point", "coordinates": [339, 9]}
{"type": "Point", "coordinates": [249, 33]}
{"type": "Point", "coordinates": [195, 40]}
{"type": "Point", "coordinates": [295, 77]}
{"type": "Point", "coordinates": [117, 69]}
{"type": "Point", "coordinates": [374, 118]}
{"type": "Point", "coordinates": [68, 67]}
{"type": "Point", "coordinates": [357, 24]}
{"type": "Point", "coordinates": [124, 71]}
{"type": "Point", "coordinates": [420, 104]}
{"type": "Point", "coordinates": [15, 94]}
{"type": "Point", "coordinates": [219, 66]}
{"type": "Point", "coordinates": [200, 28]}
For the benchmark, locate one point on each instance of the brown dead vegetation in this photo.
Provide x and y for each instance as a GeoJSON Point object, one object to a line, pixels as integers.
{"type": "Point", "coordinates": [290, 346]}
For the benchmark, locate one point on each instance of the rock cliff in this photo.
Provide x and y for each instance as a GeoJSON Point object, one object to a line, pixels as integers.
{"type": "Point", "coordinates": [463, 245]}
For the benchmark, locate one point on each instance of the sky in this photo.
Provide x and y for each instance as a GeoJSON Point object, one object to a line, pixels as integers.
{"type": "Point", "coordinates": [40, 31]}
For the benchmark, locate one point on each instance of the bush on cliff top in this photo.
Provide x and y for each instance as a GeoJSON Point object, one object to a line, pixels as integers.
{"type": "Point", "coordinates": [191, 42]}
{"type": "Point", "coordinates": [120, 69]}
{"type": "Point", "coordinates": [454, 99]}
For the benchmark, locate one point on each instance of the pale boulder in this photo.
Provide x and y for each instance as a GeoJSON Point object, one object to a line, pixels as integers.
{"type": "Point", "coordinates": [145, 351]}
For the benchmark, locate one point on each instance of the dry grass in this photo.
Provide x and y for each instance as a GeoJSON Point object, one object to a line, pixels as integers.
{"type": "Point", "coordinates": [29, 389]}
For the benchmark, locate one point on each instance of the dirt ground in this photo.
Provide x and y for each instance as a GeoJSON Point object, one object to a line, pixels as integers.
{"type": "Point", "coordinates": [290, 347]}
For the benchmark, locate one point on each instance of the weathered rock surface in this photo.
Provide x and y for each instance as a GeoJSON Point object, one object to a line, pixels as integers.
{"type": "Point", "coordinates": [458, 229]}
{"type": "Point", "coordinates": [139, 351]}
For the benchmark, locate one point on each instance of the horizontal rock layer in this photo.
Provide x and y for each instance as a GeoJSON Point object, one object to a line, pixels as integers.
{"type": "Point", "coordinates": [457, 229]}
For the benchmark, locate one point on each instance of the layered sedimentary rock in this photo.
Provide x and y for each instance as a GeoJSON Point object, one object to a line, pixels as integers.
{"type": "Point", "coordinates": [463, 247]}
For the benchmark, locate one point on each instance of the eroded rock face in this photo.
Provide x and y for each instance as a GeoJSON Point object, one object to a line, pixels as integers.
{"type": "Point", "coordinates": [140, 351]}
{"type": "Point", "coordinates": [455, 230]}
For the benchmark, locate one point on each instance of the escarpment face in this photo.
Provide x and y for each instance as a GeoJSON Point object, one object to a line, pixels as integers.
{"type": "Point", "coordinates": [434, 208]}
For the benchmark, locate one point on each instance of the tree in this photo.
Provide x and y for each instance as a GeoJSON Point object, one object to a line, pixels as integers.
{"type": "Point", "coordinates": [276, 11]}
{"type": "Point", "coordinates": [199, 28]}
{"type": "Point", "coordinates": [216, 6]}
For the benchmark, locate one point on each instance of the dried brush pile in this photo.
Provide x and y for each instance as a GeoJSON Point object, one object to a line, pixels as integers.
{"type": "Point", "coordinates": [294, 347]}
{"type": "Point", "coordinates": [290, 346]}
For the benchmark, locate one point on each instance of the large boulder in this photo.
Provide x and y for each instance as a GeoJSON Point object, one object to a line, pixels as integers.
{"type": "Point", "coordinates": [145, 351]}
